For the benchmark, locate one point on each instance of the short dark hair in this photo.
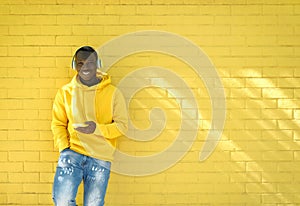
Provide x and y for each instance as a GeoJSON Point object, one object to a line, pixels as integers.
{"type": "Point", "coordinates": [87, 49]}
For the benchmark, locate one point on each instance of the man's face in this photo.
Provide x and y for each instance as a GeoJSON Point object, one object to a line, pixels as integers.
{"type": "Point", "coordinates": [86, 65]}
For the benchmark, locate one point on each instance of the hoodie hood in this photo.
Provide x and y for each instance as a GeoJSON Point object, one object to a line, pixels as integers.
{"type": "Point", "coordinates": [105, 80]}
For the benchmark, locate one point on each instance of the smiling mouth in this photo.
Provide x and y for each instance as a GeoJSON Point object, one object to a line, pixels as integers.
{"type": "Point", "coordinates": [85, 72]}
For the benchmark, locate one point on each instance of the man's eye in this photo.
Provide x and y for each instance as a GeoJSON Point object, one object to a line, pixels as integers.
{"type": "Point", "coordinates": [79, 64]}
{"type": "Point", "coordinates": [90, 64]}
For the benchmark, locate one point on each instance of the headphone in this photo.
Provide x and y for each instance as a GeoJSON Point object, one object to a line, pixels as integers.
{"type": "Point", "coordinates": [87, 49]}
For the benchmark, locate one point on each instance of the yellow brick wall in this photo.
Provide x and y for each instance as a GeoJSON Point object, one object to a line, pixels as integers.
{"type": "Point", "coordinates": [255, 47]}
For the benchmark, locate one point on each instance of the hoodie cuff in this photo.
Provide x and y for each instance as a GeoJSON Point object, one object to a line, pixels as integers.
{"type": "Point", "coordinates": [63, 146]}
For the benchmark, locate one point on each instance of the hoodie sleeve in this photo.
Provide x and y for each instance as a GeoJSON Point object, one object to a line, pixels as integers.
{"type": "Point", "coordinates": [59, 122]}
{"type": "Point", "coordinates": [119, 125]}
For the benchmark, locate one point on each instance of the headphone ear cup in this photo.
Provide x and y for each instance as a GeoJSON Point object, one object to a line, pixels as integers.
{"type": "Point", "coordinates": [73, 63]}
{"type": "Point", "coordinates": [99, 65]}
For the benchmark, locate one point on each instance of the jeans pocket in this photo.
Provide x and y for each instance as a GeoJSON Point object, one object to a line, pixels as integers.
{"type": "Point", "coordinates": [69, 158]}
{"type": "Point", "coordinates": [102, 163]}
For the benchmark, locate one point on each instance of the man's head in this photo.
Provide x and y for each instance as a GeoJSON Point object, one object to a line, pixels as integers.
{"type": "Point", "coordinates": [86, 62]}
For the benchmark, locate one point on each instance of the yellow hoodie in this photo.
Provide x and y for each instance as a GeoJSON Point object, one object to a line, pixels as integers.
{"type": "Point", "coordinates": [76, 103]}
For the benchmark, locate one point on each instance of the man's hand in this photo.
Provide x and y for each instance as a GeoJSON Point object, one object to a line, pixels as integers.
{"type": "Point", "coordinates": [88, 129]}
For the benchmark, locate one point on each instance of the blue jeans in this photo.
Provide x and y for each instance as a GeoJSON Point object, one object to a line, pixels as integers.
{"type": "Point", "coordinates": [71, 169]}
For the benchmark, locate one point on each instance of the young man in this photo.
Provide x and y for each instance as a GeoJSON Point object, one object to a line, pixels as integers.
{"type": "Point", "coordinates": [88, 115]}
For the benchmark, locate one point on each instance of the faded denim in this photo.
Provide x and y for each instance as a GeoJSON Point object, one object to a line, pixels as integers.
{"type": "Point", "coordinates": [71, 169]}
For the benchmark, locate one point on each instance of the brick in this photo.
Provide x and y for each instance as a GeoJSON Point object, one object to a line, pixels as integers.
{"type": "Point", "coordinates": [37, 103]}
{"type": "Point", "coordinates": [42, 188]}
{"type": "Point", "coordinates": [11, 83]}
{"type": "Point", "coordinates": [246, 93]}
{"type": "Point", "coordinates": [55, 51]}
{"type": "Point", "coordinates": [143, 20]}
{"type": "Point", "coordinates": [39, 40]}
{"type": "Point", "coordinates": [12, 19]}
{"type": "Point", "coordinates": [272, 177]}
{"type": "Point", "coordinates": [278, 50]}
{"type": "Point", "coordinates": [232, 20]}
{"type": "Point", "coordinates": [72, 19]}
{"type": "Point", "coordinates": [289, 166]}
{"type": "Point", "coordinates": [261, 82]}
{"type": "Point", "coordinates": [245, 114]}
{"type": "Point", "coordinates": [246, 177]}
{"type": "Point", "coordinates": [42, 145]}
{"type": "Point", "coordinates": [261, 40]}
{"type": "Point", "coordinates": [261, 124]}
{"type": "Point", "coordinates": [21, 199]}
{"type": "Point", "coordinates": [23, 93]}
{"type": "Point", "coordinates": [246, 134]}
{"type": "Point", "coordinates": [276, 72]}
{"type": "Point", "coordinates": [11, 145]}
{"type": "Point", "coordinates": [87, 30]}
{"type": "Point", "coordinates": [287, 19]}
{"type": "Point", "coordinates": [11, 124]}
{"type": "Point", "coordinates": [56, 30]}
{"type": "Point", "coordinates": [288, 124]}
{"type": "Point", "coordinates": [249, 10]}
{"type": "Point", "coordinates": [22, 114]}
{"type": "Point", "coordinates": [23, 156]}
{"type": "Point", "coordinates": [38, 167]}
{"type": "Point", "coordinates": [37, 125]}
{"type": "Point", "coordinates": [277, 114]}
{"type": "Point", "coordinates": [24, 9]}
{"type": "Point", "coordinates": [23, 72]}
{"type": "Point", "coordinates": [23, 51]}
{"type": "Point", "coordinates": [103, 20]}
{"type": "Point", "coordinates": [261, 166]}
{"type": "Point", "coordinates": [39, 83]}
{"type": "Point", "coordinates": [23, 177]}
{"type": "Point", "coordinates": [243, 156]}
{"type": "Point", "coordinates": [57, 9]}
{"type": "Point", "coordinates": [275, 198]}
{"type": "Point", "coordinates": [11, 167]}
{"type": "Point", "coordinates": [260, 188]}
{"type": "Point", "coordinates": [23, 135]}
{"type": "Point", "coordinates": [11, 62]}
{"type": "Point", "coordinates": [7, 188]}
{"type": "Point", "coordinates": [277, 93]}
{"type": "Point", "coordinates": [230, 188]}
{"type": "Point", "coordinates": [261, 103]}
{"type": "Point", "coordinates": [287, 61]}
{"type": "Point", "coordinates": [70, 41]}
{"type": "Point", "coordinates": [289, 82]}
{"type": "Point", "coordinates": [277, 134]}
{"type": "Point", "coordinates": [287, 103]}
{"type": "Point", "coordinates": [40, 19]}
{"type": "Point", "coordinates": [278, 155]}
{"type": "Point", "coordinates": [264, 20]}
{"type": "Point", "coordinates": [119, 9]}
{"type": "Point", "coordinates": [11, 104]}
{"type": "Point", "coordinates": [24, 30]}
